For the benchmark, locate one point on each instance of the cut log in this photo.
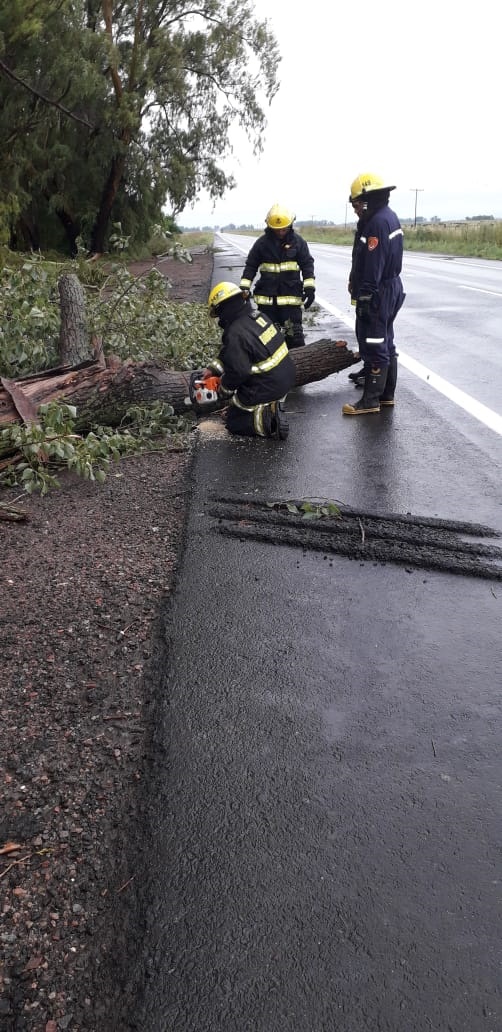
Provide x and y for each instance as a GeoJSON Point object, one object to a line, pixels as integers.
{"type": "Point", "coordinates": [103, 395]}
{"type": "Point", "coordinates": [321, 359]}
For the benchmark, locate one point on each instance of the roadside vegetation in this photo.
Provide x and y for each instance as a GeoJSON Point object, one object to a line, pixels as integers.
{"type": "Point", "coordinates": [469, 239]}
{"type": "Point", "coordinates": [112, 115]}
{"type": "Point", "coordinates": [116, 112]}
{"type": "Point", "coordinates": [135, 319]}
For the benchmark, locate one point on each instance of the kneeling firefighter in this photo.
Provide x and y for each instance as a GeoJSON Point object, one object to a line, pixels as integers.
{"type": "Point", "coordinates": [254, 364]}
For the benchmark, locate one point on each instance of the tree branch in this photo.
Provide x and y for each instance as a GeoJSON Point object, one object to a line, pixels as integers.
{"type": "Point", "coordinates": [46, 100]}
{"type": "Point", "coordinates": [108, 19]}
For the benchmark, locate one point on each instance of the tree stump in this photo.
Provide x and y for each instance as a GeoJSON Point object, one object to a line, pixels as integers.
{"type": "Point", "coordinates": [74, 343]}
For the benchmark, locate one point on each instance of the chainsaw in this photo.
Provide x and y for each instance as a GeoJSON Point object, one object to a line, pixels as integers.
{"type": "Point", "coordinates": [203, 393]}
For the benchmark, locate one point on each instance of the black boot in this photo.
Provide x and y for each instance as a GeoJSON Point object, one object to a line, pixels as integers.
{"type": "Point", "coordinates": [359, 374]}
{"type": "Point", "coordinates": [374, 386]}
{"type": "Point", "coordinates": [358, 378]}
{"type": "Point", "coordinates": [279, 422]}
{"type": "Point", "coordinates": [295, 337]}
{"type": "Point", "coordinates": [387, 398]}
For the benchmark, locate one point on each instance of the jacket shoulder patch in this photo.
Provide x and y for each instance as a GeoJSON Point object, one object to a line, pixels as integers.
{"type": "Point", "coordinates": [372, 243]}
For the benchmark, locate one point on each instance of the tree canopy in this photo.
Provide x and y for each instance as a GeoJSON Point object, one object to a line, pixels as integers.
{"type": "Point", "coordinates": [111, 109]}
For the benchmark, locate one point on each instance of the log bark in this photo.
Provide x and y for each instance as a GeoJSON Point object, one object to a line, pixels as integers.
{"type": "Point", "coordinates": [74, 344]}
{"type": "Point", "coordinates": [322, 358]}
{"type": "Point", "coordinates": [103, 395]}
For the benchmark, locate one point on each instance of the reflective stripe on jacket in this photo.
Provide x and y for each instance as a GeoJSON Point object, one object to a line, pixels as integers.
{"type": "Point", "coordinates": [285, 266]}
{"type": "Point", "coordinates": [255, 360]}
{"type": "Point", "coordinates": [377, 255]}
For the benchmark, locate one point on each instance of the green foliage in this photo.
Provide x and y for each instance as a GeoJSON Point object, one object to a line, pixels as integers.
{"type": "Point", "coordinates": [168, 225]}
{"type": "Point", "coordinates": [105, 121]}
{"type": "Point", "coordinates": [308, 510]}
{"type": "Point", "coordinates": [136, 319]}
{"type": "Point", "coordinates": [118, 242]}
{"type": "Point", "coordinates": [148, 422]}
{"type": "Point", "coordinates": [198, 240]}
{"type": "Point", "coordinates": [159, 243]}
{"type": "Point", "coordinates": [134, 316]}
{"type": "Point", "coordinates": [327, 234]}
{"type": "Point", "coordinates": [52, 444]}
{"type": "Point", "coordinates": [29, 318]}
{"type": "Point", "coordinates": [476, 240]}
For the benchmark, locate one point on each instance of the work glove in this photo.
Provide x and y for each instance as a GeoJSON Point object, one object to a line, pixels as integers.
{"type": "Point", "coordinates": [223, 392]}
{"type": "Point", "coordinates": [363, 307]}
{"type": "Point", "coordinates": [308, 297]}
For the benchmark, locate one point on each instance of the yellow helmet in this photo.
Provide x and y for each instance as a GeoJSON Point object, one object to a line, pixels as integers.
{"type": "Point", "coordinates": [222, 292]}
{"type": "Point", "coordinates": [279, 217]}
{"type": "Point", "coordinates": [366, 183]}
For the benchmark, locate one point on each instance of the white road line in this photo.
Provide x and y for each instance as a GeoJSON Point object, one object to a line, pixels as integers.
{"type": "Point", "coordinates": [480, 290]}
{"type": "Point", "coordinates": [475, 408]}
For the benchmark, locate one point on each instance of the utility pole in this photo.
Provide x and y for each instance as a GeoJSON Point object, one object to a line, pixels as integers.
{"type": "Point", "coordinates": [416, 190]}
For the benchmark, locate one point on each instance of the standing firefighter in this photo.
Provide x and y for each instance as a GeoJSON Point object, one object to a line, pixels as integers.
{"type": "Point", "coordinates": [376, 290]}
{"type": "Point", "coordinates": [286, 281]}
{"type": "Point", "coordinates": [255, 367]}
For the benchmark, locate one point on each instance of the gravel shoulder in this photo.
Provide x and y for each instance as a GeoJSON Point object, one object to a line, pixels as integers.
{"type": "Point", "coordinates": [85, 583]}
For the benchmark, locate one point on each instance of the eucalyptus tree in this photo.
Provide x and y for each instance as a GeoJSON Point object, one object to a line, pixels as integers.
{"type": "Point", "coordinates": [52, 95]}
{"type": "Point", "coordinates": [114, 108]}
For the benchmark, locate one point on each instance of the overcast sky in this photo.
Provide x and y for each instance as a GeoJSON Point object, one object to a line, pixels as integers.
{"type": "Point", "coordinates": [409, 91]}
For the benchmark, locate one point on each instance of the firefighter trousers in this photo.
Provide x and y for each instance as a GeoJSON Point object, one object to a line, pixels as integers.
{"type": "Point", "coordinates": [290, 319]}
{"type": "Point", "coordinates": [265, 420]}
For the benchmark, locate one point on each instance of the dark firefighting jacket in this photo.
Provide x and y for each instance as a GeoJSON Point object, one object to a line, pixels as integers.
{"type": "Point", "coordinates": [286, 268]}
{"type": "Point", "coordinates": [377, 259]}
{"type": "Point", "coordinates": [254, 360]}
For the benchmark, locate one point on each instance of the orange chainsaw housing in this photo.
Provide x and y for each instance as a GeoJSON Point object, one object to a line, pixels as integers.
{"type": "Point", "coordinates": [206, 391]}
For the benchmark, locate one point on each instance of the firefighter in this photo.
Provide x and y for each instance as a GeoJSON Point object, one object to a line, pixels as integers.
{"type": "Point", "coordinates": [376, 290]}
{"type": "Point", "coordinates": [286, 274]}
{"type": "Point", "coordinates": [357, 376]}
{"type": "Point", "coordinates": [254, 364]}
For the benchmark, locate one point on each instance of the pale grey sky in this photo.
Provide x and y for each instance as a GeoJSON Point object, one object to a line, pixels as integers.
{"type": "Point", "coordinates": [410, 92]}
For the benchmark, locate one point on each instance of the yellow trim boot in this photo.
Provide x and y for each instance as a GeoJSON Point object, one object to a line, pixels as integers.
{"type": "Point", "coordinates": [374, 386]}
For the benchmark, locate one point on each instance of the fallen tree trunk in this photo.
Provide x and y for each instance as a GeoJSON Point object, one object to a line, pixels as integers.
{"type": "Point", "coordinates": [321, 359]}
{"type": "Point", "coordinates": [103, 395]}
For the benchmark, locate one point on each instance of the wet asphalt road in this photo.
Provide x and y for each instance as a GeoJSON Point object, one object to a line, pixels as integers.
{"type": "Point", "coordinates": [327, 855]}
